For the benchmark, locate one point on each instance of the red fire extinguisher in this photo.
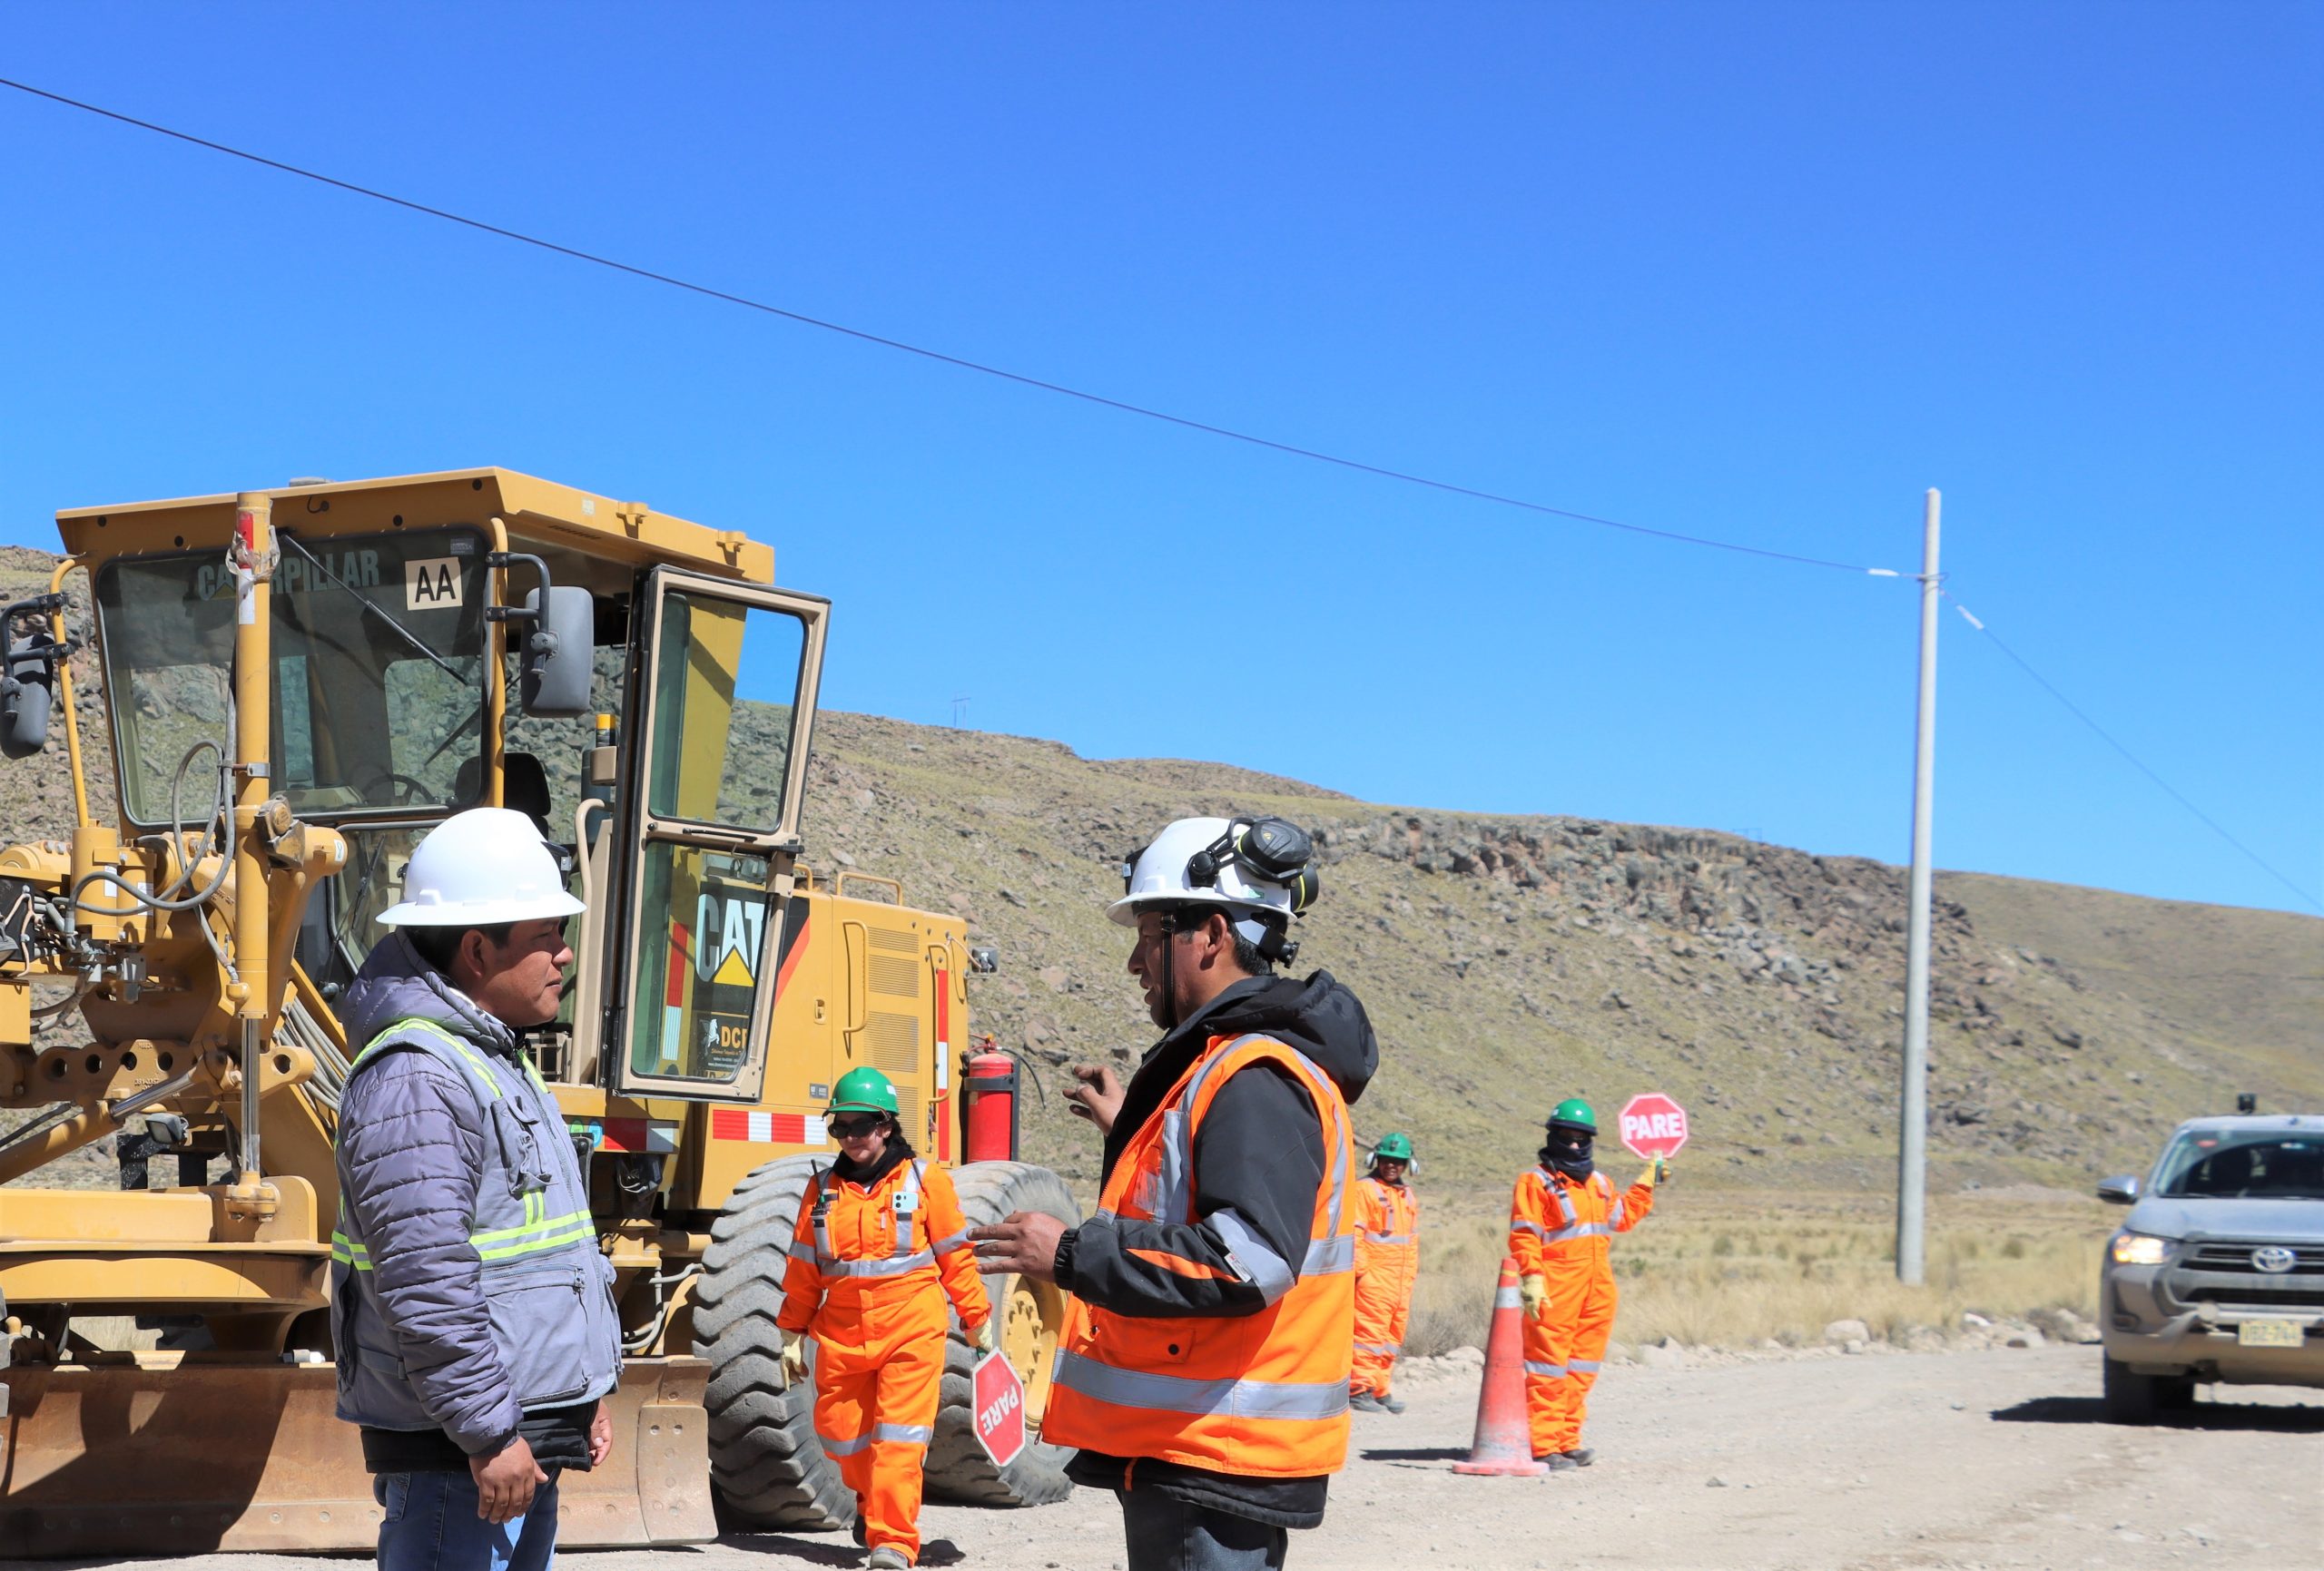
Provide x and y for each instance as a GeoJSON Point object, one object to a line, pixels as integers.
{"type": "Point", "coordinates": [990, 1095]}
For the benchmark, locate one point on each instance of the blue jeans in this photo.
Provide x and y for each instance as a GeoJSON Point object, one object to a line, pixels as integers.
{"type": "Point", "coordinates": [1171, 1535]}
{"type": "Point", "coordinates": [431, 1525]}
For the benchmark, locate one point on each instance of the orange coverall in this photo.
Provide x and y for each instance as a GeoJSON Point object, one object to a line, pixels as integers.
{"type": "Point", "coordinates": [1559, 1229]}
{"type": "Point", "coordinates": [1387, 1259]}
{"type": "Point", "coordinates": [869, 1274]}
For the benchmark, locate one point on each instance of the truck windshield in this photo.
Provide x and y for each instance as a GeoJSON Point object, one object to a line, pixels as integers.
{"type": "Point", "coordinates": [379, 673]}
{"type": "Point", "coordinates": [2218, 1164]}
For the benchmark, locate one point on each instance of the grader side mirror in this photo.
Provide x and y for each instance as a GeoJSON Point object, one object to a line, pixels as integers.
{"type": "Point", "coordinates": [554, 683]}
{"type": "Point", "coordinates": [23, 706]}
{"type": "Point", "coordinates": [27, 675]}
{"type": "Point", "coordinates": [559, 627]}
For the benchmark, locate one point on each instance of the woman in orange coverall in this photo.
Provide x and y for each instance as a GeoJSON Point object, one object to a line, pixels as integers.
{"type": "Point", "coordinates": [880, 1246]}
{"type": "Point", "coordinates": [1560, 1220]}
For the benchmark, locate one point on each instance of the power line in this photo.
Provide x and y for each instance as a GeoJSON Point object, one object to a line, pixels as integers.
{"type": "Point", "coordinates": [1143, 411]}
{"type": "Point", "coordinates": [2108, 738]}
{"type": "Point", "coordinates": [959, 362]}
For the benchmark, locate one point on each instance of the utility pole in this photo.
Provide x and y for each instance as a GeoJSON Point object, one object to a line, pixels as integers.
{"type": "Point", "coordinates": [1912, 1115]}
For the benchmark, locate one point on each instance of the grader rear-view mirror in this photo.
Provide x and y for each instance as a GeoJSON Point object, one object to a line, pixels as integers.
{"type": "Point", "coordinates": [27, 678]}
{"type": "Point", "coordinates": [558, 629]}
{"type": "Point", "coordinates": [23, 706]}
{"type": "Point", "coordinates": [554, 680]}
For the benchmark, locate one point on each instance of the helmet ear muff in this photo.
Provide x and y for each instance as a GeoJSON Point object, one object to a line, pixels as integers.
{"type": "Point", "coordinates": [1269, 851]}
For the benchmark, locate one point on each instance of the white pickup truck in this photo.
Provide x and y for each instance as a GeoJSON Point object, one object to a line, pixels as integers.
{"type": "Point", "coordinates": [2218, 1272]}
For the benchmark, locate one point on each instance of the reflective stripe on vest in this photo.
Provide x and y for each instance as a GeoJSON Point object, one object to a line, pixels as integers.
{"type": "Point", "coordinates": [1382, 1349]}
{"type": "Point", "coordinates": [901, 1257]}
{"type": "Point", "coordinates": [1543, 1371]}
{"type": "Point", "coordinates": [538, 1231]}
{"type": "Point", "coordinates": [1178, 1394]}
{"type": "Point", "coordinates": [1264, 1395]}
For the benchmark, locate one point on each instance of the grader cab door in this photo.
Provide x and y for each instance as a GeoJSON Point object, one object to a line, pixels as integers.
{"type": "Point", "coordinates": [724, 696]}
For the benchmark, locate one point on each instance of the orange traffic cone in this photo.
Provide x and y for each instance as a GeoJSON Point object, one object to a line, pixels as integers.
{"type": "Point", "coordinates": [1503, 1446]}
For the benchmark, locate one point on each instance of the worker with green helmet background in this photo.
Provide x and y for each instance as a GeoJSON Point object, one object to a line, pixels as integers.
{"type": "Point", "coordinates": [1560, 1221]}
{"type": "Point", "coordinates": [1387, 1263]}
{"type": "Point", "coordinates": [880, 1248]}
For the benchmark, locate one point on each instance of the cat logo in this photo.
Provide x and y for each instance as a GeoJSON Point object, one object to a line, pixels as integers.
{"type": "Point", "coordinates": [732, 921]}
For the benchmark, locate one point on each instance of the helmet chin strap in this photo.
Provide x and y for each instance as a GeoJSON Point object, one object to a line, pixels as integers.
{"type": "Point", "coordinates": [1169, 971]}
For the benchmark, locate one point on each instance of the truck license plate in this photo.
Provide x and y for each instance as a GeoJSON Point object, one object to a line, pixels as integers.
{"type": "Point", "coordinates": [2271, 1333]}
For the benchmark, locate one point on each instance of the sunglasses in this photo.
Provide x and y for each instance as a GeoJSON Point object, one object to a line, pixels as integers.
{"type": "Point", "coordinates": [850, 1128]}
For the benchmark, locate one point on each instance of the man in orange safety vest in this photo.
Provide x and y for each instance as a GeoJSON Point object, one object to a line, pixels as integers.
{"type": "Point", "coordinates": [1204, 1365]}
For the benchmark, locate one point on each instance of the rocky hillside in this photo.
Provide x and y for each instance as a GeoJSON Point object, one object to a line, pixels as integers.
{"type": "Point", "coordinates": [1511, 961]}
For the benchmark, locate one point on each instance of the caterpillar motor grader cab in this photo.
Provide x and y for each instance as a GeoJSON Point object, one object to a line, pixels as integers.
{"type": "Point", "coordinates": [297, 684]}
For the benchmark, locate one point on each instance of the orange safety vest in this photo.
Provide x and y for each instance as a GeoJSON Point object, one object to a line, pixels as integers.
{"type": "Point", "coordinates": [1557, 1223]}
{"type": "Point", "coordinates": [902, 1242]}
{"type": "Point", "coordinates": [1263, 1395]}
{"type": "Point", "coordinates": [1387, 1236]}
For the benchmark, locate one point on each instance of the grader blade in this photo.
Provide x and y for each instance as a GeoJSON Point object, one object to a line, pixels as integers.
{"type": "Point", "coordinates": [140, 1457]}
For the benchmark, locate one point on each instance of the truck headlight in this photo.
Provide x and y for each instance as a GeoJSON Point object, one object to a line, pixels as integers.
{"type": "Point", "coordinates": [2140, 1249]}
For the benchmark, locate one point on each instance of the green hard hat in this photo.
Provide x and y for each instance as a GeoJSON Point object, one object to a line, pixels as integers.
{"type": "Point", "coordinates": [1393, 1147]}
{"type": "Point", "coordinates": [1573, 1110]}
{"type": "Point", "coordinates": [864, 1091]}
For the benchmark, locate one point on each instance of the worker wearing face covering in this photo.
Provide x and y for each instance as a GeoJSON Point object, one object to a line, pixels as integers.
{"type": "Point", "coordinates": [879, 1262]}
{"type": "Point", "coordinates": [1560, 1220]}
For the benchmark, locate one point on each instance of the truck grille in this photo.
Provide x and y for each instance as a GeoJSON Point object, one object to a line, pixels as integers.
{"type": "Point", "coordinates": [2221, 1272]}
{"type": "Point", "coordinates": [2210, 1258]}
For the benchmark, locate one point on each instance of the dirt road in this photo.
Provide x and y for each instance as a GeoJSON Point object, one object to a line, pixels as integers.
{"type": "Point", "coordinates": [1885, 1463]}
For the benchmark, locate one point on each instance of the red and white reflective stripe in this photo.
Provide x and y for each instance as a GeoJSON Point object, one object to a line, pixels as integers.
{"type": "Point", "coordinates": [943, 1028]}
{"type": "Point", "coordinates": [942, 1099]}
{"type": "Point", "coordinates": [674, 1001]}
{"type": "Point", "coordinates": [640, 1134]}
{"type": "Point", "coordinates": [767, 1128]}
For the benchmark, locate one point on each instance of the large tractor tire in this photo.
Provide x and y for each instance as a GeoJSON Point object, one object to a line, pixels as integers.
{"type": "Point", "coordinates": [766, 1464]}
{"type": "Point", "coordinates": [1026, 1316]}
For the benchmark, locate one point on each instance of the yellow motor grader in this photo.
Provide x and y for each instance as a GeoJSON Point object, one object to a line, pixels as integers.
{"type": "Point", "coordinates": [297, 683]}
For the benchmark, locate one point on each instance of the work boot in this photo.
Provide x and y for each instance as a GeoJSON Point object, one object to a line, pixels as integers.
{"type": "Point", "coordinates": [1558, 1462]}
{"type": "Point", "coordinates": [887, 1558]}
{"type": "Point", "coordinates": [858, 1530]}
{"type": "Point", "coordinates": [1393, 1404]}
{"type": "Point", "coordinates": [1581, 1455]}
{"type": "Point", "coordinates": [1365, 1402]}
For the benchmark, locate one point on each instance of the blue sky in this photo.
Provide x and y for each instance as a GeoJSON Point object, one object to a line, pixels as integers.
{"type": "Point", "coordinates": [1761, 272]}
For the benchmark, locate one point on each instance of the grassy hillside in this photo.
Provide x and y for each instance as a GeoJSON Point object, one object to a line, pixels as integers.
{"type": "Point", "coordinates": [1510, 961]}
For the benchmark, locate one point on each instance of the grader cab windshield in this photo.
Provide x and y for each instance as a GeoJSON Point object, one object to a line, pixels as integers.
{"type": "Point", "coordinates": [379, 673]}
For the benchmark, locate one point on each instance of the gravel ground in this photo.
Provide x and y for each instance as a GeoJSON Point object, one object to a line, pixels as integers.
{"type": "Point", "coordinates": [1958, 1460]}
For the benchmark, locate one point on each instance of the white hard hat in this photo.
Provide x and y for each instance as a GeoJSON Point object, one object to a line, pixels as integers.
{"type": "Point", "coordinates": [477, 869]}
{"type": "Point", "coordinates": [1259, 869]}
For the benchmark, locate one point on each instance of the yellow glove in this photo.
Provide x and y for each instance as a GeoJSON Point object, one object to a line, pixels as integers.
{"type": "Point", "coordinates": [794, 1357]}
{"type": "Point", "coordinates": [1535, 1292]}
{"type": "Point", "coordinates": [982, 1339]}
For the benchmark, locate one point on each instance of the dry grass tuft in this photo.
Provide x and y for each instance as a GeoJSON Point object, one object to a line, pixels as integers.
{"type": "Point", "coordinates": [1734, 1269]}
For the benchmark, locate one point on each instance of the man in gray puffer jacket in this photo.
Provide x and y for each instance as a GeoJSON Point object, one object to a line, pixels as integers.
{"type": "Point", "coordinates": [472, 1308]}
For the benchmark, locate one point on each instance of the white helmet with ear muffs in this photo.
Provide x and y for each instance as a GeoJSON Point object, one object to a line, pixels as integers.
{"type": "Point", "coordinates": [1260, 870]}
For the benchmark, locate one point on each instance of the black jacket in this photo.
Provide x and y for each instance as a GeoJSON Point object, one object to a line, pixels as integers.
{"type": "Point", "coordinates": [1259, 1154]}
